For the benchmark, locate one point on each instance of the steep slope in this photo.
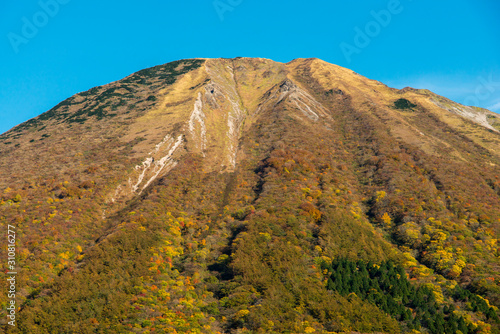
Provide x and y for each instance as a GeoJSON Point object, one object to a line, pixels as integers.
{"type": "Point", "coordinates": [227, 195]}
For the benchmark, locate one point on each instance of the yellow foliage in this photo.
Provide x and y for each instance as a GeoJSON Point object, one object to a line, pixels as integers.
{"type": "Point", "coordinates": [326, 259]}
{"type": "Point", "coordinates": [409, 260]}
{"type": "Point", "coordinates": [65, 255]}
{"type": "Point", "coordinates": [460, 263]}
{"type": "Point", "coordinates": [439, 236]}
{"type": "Point", "coordinates": [17, 198]}
{"type": "Point", "coordinates": [172, 251]}
{"type": "Point", "coordinates": [436, 291]}
{"type": "Point", "coordinates": [356, 210]}
{"type": "Point", "coordinates": [241, 313]}
{"type": "Point", "coordinates": [380, 195]}
{"type": "Point", "coordinates": [24, 253]}
{"type": "Point", "coordinates": [455, 271]}
{"type": "Point", "coordinates": [266, 236]}
{"type": "Point", "coordinates": [387, 220]}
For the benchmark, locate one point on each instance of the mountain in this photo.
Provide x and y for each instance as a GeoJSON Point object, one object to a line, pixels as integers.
{"type": "Point", "coordinates": [250, 196]}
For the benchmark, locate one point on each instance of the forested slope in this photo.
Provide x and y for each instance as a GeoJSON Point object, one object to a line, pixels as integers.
{"type": "Point", "coordinates": [249, 196]}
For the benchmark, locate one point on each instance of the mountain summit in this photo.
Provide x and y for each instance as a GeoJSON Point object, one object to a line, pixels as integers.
{"type": "Point", "coordinates": [250, 196]}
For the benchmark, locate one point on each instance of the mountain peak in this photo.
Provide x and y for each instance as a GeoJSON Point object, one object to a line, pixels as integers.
{"type": "Point", "coordinates": [247, 195]}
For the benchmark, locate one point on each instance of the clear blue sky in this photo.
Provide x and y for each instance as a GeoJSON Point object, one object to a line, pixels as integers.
{"type": "Point", "coordinates": [449, 47]}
